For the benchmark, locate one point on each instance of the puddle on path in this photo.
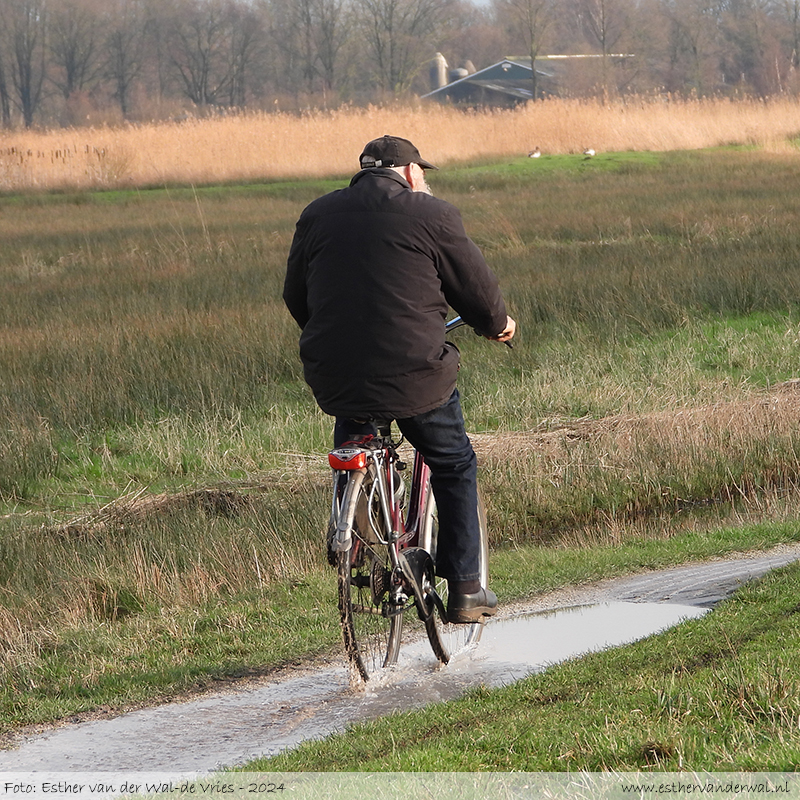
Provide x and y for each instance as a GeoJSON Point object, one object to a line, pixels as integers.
{"type": "Point", "coordinates": [520, 645]}
{"type": "Point", "coordinates": [198, 736]}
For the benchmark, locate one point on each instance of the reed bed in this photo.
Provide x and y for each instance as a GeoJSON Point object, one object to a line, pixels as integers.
{"type": "Point", "coordinates": [261, 146]}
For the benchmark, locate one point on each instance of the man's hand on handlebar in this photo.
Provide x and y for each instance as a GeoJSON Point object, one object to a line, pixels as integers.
{"type": "Point", "coordinates": [507, 334]}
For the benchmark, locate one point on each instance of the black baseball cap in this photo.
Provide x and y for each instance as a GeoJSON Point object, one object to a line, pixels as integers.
{"type": "Point", "coordinates": [391, 151]}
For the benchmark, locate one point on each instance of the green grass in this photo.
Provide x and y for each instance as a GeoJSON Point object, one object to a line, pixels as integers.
{"type": "Point", "coordinates": [146, 657]}
{"type": "Point", "coordinates": [547, 168]}
{"type": "Point", "coordinates": [720, 693]}
{"type": "Point", "coordinates": [523, 573]}
{"type": "Point", "coordinates": [144, 349]}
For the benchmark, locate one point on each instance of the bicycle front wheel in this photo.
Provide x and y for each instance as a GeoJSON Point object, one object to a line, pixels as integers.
{"type": "Point", "coordinates": [371, 624]}
{"type": "Point", "coordinates": [447, 639]}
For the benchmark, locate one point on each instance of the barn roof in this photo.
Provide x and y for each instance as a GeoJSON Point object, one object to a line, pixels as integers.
{"type": "Point", "coordinates": [510, 77]}
{"type": "Point", "coordinates": [509, 80]}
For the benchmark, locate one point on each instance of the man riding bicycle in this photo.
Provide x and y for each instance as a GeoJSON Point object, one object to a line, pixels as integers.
{"type": "Point", "coordinates": [372, 271]}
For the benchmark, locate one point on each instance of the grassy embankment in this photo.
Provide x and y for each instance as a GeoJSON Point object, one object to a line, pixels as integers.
{"type": "Point", "coordinates": [145, 350]}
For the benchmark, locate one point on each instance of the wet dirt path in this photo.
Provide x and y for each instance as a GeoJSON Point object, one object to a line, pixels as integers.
{"type": "Point", "coordinates": [201, 735]}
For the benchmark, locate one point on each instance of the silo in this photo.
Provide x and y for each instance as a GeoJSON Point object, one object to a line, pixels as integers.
{"type": "Point", "coordinates": [438, 72]}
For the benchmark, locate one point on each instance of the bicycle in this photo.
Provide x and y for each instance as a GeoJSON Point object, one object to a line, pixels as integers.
{"type": "Point", "coordinates": [384, 547]}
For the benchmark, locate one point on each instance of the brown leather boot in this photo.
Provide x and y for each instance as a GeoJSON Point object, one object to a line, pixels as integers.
{"type": "Point", "coordinates": [471, 607]}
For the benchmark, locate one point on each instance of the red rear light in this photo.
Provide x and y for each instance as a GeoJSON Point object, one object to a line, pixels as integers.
{"type": "Point", "coordinates": [347, 458]}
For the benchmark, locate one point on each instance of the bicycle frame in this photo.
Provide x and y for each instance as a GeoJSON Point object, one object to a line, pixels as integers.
{"type": "Point", "coordinates": [353, 458]}
{"type": "Point", "coordinates": [381, 450]}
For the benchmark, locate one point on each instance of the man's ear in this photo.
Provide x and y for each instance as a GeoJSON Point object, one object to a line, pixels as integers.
{"type": "Point", "coordinates": [412, 176]}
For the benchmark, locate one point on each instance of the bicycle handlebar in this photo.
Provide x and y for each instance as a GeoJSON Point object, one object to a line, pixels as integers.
{"type": "Point", "coordinates": [454, 323]}
{"type": "Point", "coordinates": [458, 322]}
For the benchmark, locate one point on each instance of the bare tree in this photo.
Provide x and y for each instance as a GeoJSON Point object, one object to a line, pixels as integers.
{"type": "Point", "coordinates": [532, 19]}
{"type": "Point", "coordinates": [401, 37]}
{"type": "Point", "coordinates": [604, 23]}
{"type": "Point", "coordinates": [124, 48]}
{"type": "Point", "coordinates": [246, 38]}
{"type": "Point", "coordinates": [788, 11]}
{"type": "Point", "coordinates": [692, 31]}
{"type": "Point", "coordinates": [74, 34]}
{"type": "Point", "coordinates": [24, 22]}
{"type": "Point", "coordinates": [332, 31]}
{"type": "Point", "coordinates": [5, 90]}
{"type": "Point", "coordinates": [293, 32]}
{"type": "Point", "coordinates": [750, 45]}
{"type": "Point", "coordinates": [199, 48]}
{"type": "Point", "coordinates": [310, 35]}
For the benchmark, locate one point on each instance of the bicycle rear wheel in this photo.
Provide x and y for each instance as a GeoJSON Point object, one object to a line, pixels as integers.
{"type": "Point", "coordinates": [371, 624]}
{"type": "Point", "coordinates": [445, 638]}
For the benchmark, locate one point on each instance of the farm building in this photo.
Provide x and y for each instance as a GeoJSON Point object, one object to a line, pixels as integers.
{"type": "Point", "coordinates": [506, 83]}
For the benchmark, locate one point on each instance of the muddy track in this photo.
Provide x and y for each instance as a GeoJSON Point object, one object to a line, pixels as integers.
{"type": "Point", "coordinates": [264, 717]}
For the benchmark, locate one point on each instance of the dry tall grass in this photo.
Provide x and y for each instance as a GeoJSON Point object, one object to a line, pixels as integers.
{"type": "Point", "coordinates": [326, 143]}
{"type": "Point", "coordinates": [725, 463]}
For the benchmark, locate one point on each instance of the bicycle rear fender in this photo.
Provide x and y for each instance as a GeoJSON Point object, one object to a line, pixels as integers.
{"type": "Point", "coordinates": [343, 538]}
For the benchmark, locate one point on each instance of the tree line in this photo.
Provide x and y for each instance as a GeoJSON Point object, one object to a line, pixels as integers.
{"type": "Point", "coordinates": [72, 62]}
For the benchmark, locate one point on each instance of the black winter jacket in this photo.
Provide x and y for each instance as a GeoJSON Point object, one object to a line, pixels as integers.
{"type": "Point", "coordinates": [371, 272]}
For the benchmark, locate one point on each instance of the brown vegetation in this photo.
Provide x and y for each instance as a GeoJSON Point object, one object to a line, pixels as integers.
{"type": "Point", "coordinates": [775, 409]}
{"type": "Point", "coordinates": [252, 147]}
{"type": "Point", "coordinates": [94, 62]}
{"type": "Point", "coordinates": [616, 443]}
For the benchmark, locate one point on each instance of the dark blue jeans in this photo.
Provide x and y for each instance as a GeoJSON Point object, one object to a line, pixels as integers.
{"type": "Point", "coordinates": [441, 437]}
